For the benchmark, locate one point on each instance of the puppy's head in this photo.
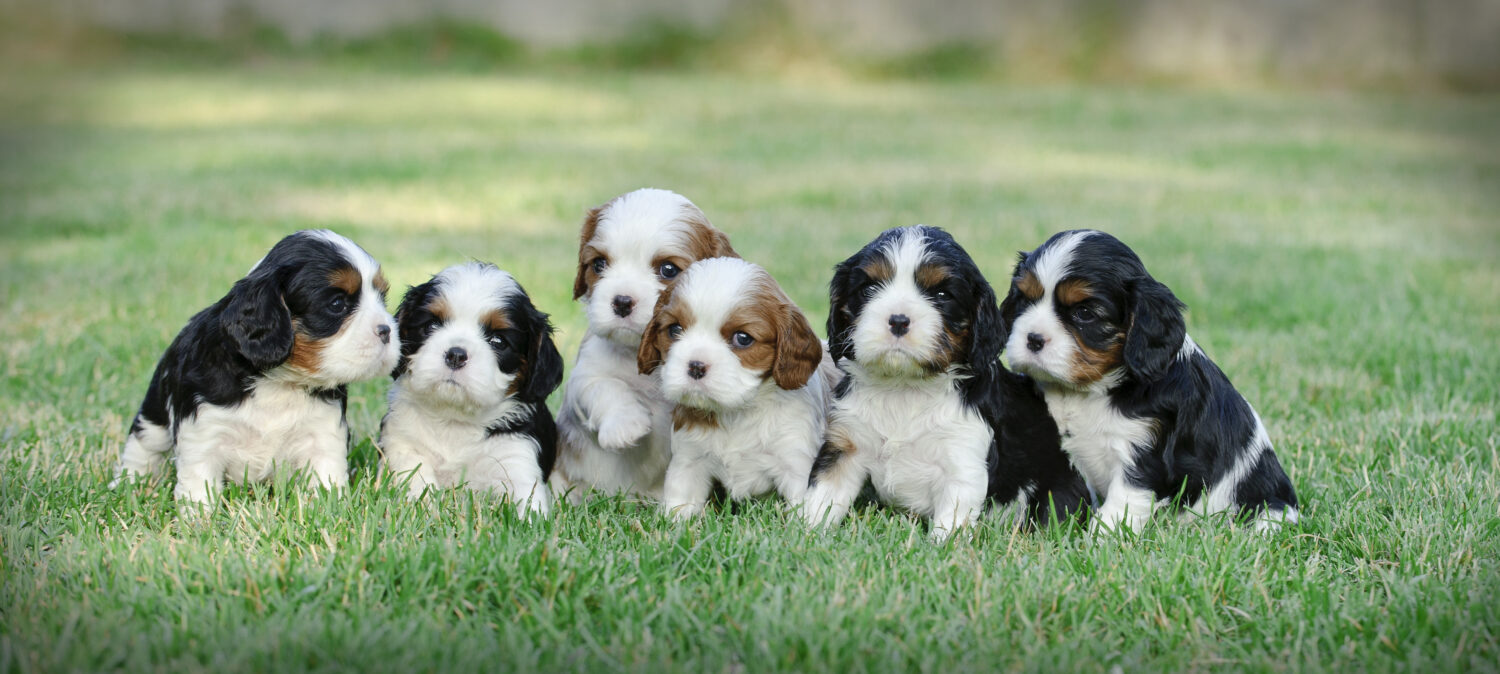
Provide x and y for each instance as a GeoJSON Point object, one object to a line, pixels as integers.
{"type": "Point", "coordinates": [912, 303]}
{"type": "Point", "coordinates": [313, 311]}
{"type": "Point", "coordinates": [470, 339]}
{"type": "Point", "coordinates": [723, 330]}
{"type": "Point", "coordinates": [633, 247]}
{"type": "Point", "coordinates": [1082, 308]}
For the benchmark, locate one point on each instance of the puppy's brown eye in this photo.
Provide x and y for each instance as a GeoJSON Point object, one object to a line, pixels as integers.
{"type": "Point", "coordinates": [668, 271]}
{"type": "Point", "coordinates": [338, 305]}
{"type": "Point", "coordinates": [599, 264]}
{"type": "Point", "coordinates": [674, 331]}
{"type": "Point", "coordinates": [741, 340]}
{"type": "Point", "coordinates": [1084, 315]}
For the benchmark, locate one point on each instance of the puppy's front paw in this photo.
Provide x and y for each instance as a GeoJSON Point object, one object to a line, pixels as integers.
{"type": "Point", "coordinates": [624, 429]}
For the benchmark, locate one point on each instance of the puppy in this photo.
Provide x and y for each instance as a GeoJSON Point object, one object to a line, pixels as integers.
{"type": "Point", "coordinates": [926, 413]}
{"type": "Point", "coordinates": [740, 362]}
{"type": "Point", "coordinates": [469, 401]}
{"type": "Point", "coordinates": [258, 380]}
{"type": "Point", "coordinates": [614, 426]}
{"type": "Point", "coordinates": [1144, 414]}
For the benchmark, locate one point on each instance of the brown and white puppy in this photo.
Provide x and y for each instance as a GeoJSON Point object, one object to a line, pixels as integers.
{"type": "Point", "coordinates": [257, 381]}
{"type": "Point", "coordinates": [469, 403]}
{"type": "Point", "coordinates": [1143, 412]}
{"type": "Point", "coordinates": [740, 362]}
{"type": "Point", "coordinates": [614, 427]}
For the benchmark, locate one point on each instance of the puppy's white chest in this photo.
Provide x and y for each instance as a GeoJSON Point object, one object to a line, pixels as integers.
{"type": "Point", "coordinates": [915, 442]}
{"type": "Point", "coordinates": [1097, 438]}
{"type": "Point", "coordinates": [276, 424]}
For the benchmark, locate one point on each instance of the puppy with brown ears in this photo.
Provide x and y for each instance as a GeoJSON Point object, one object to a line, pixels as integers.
{"type": "Point", "coordinates": [750, 381]}
{"type": "Point", "coordinates": [614, 427]}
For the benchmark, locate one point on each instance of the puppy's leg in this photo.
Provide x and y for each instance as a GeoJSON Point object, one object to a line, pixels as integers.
{"type": "Point", "coordinates": [687, 487]}
{"type": "Point", "coordinates": [611, 409]}
{"type": "Point", "coordinates": [956, 507]}
{"type": "Point", "coordinates": [145, 452]}
{"type": "Point", "coordinates": [835, 480]}
{"type": "Point", "coordinates": [509, 468]}
{"type": "Point", "coordinates": [328, 458]}
{"type": "Point", "coordinates": [1126, 504]}
{"type": "Point", "coordinates": [407, 466]}
{"type": "Point", "coordinates": [200, 475]}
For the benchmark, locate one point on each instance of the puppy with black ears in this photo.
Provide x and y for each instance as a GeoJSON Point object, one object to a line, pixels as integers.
{"type": "Point", "coordinates": [614, 425]}
{"type": "Point", "coordinates": [1144, 413]}
{"type": "Point", "coordinates": [926, 413]}
{"type": "Point", "coordinates": [742, 365]}
{"type": "Point", "coordinates": [258, 381]}
{"type": "Point", "coordinates": [468, 407]}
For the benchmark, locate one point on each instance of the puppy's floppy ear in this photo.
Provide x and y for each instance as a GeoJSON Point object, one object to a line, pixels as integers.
{"type": "Point", "coordinates": [409, 323]}
{"type": "Point", "coordinates": [721, 245]}
{"type": "Point", "coordinates": [544, 365]}
{"type": "Point", "coordinates": [258, 321]}
{"type": "Point", "coordinates": [989, 331]}
{"type": "Point", "coordinates": [840, 318]}
{"type": "Point", "coordinates": [649, 356]}
{"type": "Point", "coordinates": [798, 351]}
{"type": "Point", "coordinates": [706, 241]}
{"type": "Point", "coordinates": [590, 225]}
{"type": "Point", "coordinates": [1156, 330]}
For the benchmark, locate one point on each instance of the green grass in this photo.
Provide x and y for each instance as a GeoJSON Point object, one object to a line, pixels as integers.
{"type": "Point", "coordinates": [1338, 253]}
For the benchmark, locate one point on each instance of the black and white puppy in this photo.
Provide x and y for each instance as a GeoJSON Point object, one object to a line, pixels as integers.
{"type": "Point", "coordinates": [926, 412]}
{"type": "Point", "coordinates": [748, 377]}
{"type": "Point", "coordinates": [468, 406]}
{"type": "Point", "coordinates": [1144, 414]}
{"type": "Point", "coordinates": [258, 381]}
{"type": "Point", "coordinates": [614, 426]}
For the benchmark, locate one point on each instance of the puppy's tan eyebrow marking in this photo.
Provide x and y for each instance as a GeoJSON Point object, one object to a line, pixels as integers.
{"type": "Point", "coordinates": [438, 307]}
{"type": "Point", "coordinates": [1073, 291]}
{"type": "Point", "coordinates": [495, 320]}
{"type": "Point", "coordinates": [929, 275]}
{"type": "Point", "coordinates": [346, 279]}
{"type": "Point", "coordinates": [879, 269]}
{"type": "Point", "coordinates": [1030, 286]}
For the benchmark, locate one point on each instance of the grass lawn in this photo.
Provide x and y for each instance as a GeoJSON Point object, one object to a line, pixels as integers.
{"type": "Point", "coordinates": [1338, 252]}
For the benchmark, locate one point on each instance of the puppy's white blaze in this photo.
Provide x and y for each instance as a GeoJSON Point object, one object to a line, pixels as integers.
{"type": "Point", "coordinates": [635, 230]}
{"type": "Point", "coordinates": [1055, 360]}
{"type": "Point", "coordinates": [875, 346]}
{"type": "Point", "coordinates": [715, 289]}
{"type": "Point", "coordinates": [470, 291]}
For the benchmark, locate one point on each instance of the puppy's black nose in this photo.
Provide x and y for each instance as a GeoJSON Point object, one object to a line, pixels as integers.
{"type": "Point", "coordinates": [1034, 342]}
{"type": "Point", "coordinates": [455, 358]}
{"type": "Point", "coordinates": [697, 368]}
{"type": "Point", "coordinates": [383, 331]}
{"type": "Point", "coordinates": [623, 305]}
{"type": "Point", "coordinates": [899, 324]}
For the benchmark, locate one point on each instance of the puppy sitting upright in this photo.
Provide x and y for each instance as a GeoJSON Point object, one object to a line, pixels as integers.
{"type": "Point", "coordinates": [742, 365]}
{"type": "Point", "coordinates": [926, 413]}
{"type": "Point", "coordinates": [614, 426]}
{"type": "Point", "coordinates": [1143, 412]}
{"type": "Point", "coordinates": [469, 403]}
{"type": "Point", "coordinates": [258, 381]}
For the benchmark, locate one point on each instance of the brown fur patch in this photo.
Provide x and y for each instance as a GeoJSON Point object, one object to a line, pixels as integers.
{"type": "Point", "coordinates": [704, 241]}
{"type": "Point", "coordinates": [586, 253]}
{"type": "Point", "coordinates": [439, 309]}
{"type": "Point", "coordinates": [879, 269]}
{"type": "Point", "coordinates": [307, 352]}
{"type": "Point", "coordinates": [346, 279]}
{"type": "Point", "coordinates": [838, 439]}
{"type": "Point", "coordinates": [656, 339]}
{"type": "Point", "coordinates": [1090, 364]}
{"type": "Point", "coordinates": [1073, 291]}
{"type": "Point", "coordinates": [380, 283]}
{"type": "Point", "coordinates": [929, 275]}
{"type": "Point", "coordinates": [689, 417]}
{"type": "Point", "coordinates": [1030, 286]}
{"type": "Point", "coordinates": [495, 319]}
{"type": "Point", "coordinates": [786, 348]}
{"type": "Point", "coordinates": [953, 348]}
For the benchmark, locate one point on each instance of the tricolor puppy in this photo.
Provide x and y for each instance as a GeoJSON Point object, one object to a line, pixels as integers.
{"type": "Point", "coordinates": [926, 412]}
{"type": "Point", "coordinates": [614, 426]}
{"type": "Point", "coordinates": [258, 381]}
{"type": "Point", "coordinates": [469, 403]}
{"type": "Point", "coordinates": [740, 362]}
{"type": "Point", "coordinates": [1144, 414]}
